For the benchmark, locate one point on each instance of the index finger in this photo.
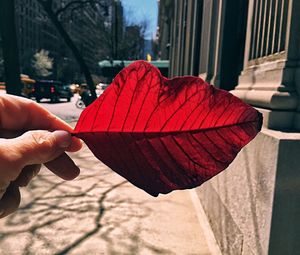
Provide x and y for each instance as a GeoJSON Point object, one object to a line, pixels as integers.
{"type": "Point", "coordinates": [21, 114]}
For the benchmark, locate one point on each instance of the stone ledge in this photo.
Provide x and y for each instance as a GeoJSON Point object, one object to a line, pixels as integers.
{"type": "Point", "coordinates": [277, 120]}
{"type": "Point", "coordinates": [249, 204]}
{"type": "Point", "coordinates": [268, 99]}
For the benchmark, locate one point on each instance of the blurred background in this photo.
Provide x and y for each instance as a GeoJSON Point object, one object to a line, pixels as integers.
{"type": "Point", "coordinates": [73, 42]}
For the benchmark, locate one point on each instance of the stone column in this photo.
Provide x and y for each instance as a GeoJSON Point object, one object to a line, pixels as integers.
{"type": "Point", "coordinates": [196, 44]}
{"type": "Point", "coordinates": [166, 12]}
{"type": "Point", "coordinates": [188, 37]}
{"type": "Point", "coordinates": [230, 43]}
{"type": "Point", "coordinates": [208, 38]}
{"type": "Point", "coordinates": [179, 31]}
{"type": "Point", "coordinates": [270, 78]}
{"type": "Point", "coordinates": [174, 40]}
{"type": "Point", "coordinates": [253, 206]}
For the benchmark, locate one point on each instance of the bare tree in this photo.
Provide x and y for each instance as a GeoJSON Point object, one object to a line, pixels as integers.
{"type": "Point", "coordinates": [54, 16]}
{"type": "Point", "coordinates": [10, 47]}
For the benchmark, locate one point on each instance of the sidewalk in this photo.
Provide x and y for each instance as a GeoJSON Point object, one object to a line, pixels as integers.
{"type": "Point", "coordinates": [100, 213]}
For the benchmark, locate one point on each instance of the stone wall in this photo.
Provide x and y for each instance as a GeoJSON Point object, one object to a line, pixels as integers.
{"type": "Point", "coordinates": [260, 189]}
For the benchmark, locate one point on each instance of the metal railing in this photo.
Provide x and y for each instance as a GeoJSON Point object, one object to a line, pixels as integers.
{"type": "Point", "coordinates": [268, 29]}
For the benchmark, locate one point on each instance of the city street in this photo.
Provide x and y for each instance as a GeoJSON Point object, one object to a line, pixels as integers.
{"type": "Point", "coordinates": [101, 213]}
{"type": "Point", "coordinates": [65, 110]}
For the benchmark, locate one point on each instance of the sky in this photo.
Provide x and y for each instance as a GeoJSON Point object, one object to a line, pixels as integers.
{"type": "Point", "coordinates": [140, 10]}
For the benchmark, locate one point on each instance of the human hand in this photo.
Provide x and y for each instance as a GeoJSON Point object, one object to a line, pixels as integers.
{"type": "Point", "coordinates": [31, 136]}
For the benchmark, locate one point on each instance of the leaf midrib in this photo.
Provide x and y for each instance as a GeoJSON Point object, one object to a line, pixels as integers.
{"type": "Point", "coordinates": [167, 132]}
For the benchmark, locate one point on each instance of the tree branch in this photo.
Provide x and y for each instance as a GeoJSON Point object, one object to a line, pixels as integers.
{"type": "Point", "coordinates": [45, 3]}
{"type": "Point", "coordinates": [83, 66]}
{"type": "Point", "coordinates": [76, 4]}
{"type": "Point", "coordinates": [69, 5]}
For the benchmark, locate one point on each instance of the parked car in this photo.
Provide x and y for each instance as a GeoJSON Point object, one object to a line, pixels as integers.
{"type": "Point", "coordinates": [27, 85]}
{"type": "Point", "coordinates": [53, 90]}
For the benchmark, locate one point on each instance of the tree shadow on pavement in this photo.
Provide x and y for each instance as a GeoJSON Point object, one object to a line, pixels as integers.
{"type": "Point", "coordinates": [91, 215]}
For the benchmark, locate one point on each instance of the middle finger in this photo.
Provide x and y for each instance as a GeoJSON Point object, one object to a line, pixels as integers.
{"type": "Point", "coordinates": [27, 174]}
{"type": "Point", "coordinates": [3, 187]}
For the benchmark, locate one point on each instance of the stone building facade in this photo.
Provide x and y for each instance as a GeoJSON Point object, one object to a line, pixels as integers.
{"type": "Point", "coordinates": [36, 32]}
{"type": "Point", "coordinates": [251, 48]}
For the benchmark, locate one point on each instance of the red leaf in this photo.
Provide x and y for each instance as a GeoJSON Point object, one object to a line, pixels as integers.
{"type": "Point", "coordinates": [163, 134]}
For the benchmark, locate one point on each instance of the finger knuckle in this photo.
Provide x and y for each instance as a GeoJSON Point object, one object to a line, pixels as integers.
{"type": "Point", "coordinates": [43, 142]}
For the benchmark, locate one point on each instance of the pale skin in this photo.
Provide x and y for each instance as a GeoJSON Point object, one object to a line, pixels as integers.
{"type": "Point", "coordinates": [29, 137]}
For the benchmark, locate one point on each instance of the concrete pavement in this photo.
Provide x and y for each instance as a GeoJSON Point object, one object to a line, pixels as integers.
{"type": "Point", "coordinates": [101, 213]}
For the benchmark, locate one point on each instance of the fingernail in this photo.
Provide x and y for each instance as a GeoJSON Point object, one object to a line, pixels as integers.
{"type": "Point", "coordinates": [63, 138]}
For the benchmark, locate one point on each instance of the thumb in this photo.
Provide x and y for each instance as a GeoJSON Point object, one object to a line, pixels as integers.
{"type": "Point", "coordinates": [36, 147]}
